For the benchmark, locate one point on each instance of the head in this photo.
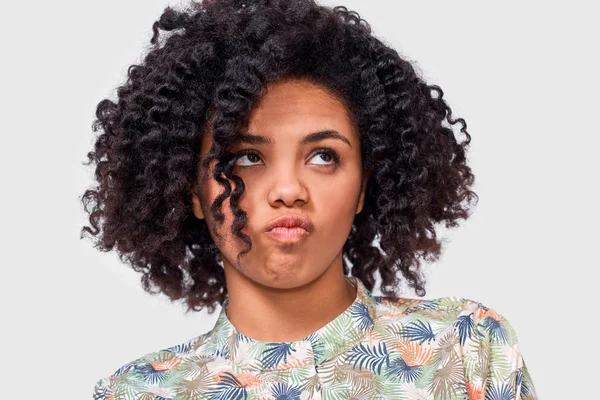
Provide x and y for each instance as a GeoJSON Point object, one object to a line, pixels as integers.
{"type": "Point", "coordinates": [284, 173]}
{"type": "Point", "coordinates": [251, 110]}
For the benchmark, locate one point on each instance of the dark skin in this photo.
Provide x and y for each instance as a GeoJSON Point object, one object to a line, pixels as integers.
{"type": "Point", "coordinates": [284, 292]}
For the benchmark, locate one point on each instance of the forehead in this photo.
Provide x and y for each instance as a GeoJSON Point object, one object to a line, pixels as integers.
{"type": "Point", "coordinates": [299, 107]}
{"type": "Point", "coordinates": [293, 108]}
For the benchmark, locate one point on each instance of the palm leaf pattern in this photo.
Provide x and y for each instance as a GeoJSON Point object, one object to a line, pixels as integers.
{"type": "Point", "coordinates": [447, 381]}
{"type": "Point", "coordinates": [149, 374]}
{"type": "Point", "coordinates": [499, 392]}
{"type": "Point", "coordinates": [399, 368]}
{"type": "Point", "coordinates": [276, 353]}
{"type": "Point", "coordinates": [448, 348]}
{"type": "Point", "coordinates": [229, 388]}
{"type": "Point", "coordinates": [465, 326]}
{"type": "Point", "coordinates": [370, 357]}
{"type": "Point", "coordinates": [524, 382]}
{"type": "Point", "coordinates": [360, 313]}
{"type": "Point", "coordinates": [284, 391]}
{"type": "Point", "coordinates": [419, 331]}
{"type": "Point", "coordinates": [316, 345]}
{"type": "Point", "coordinates": [194, 388]}
{"type": "Point", "coordinates": [180, 348]}
{"type": "Point", "coordinates": [495, 329]}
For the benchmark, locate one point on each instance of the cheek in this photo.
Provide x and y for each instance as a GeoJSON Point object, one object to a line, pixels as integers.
{"type": "Point", "coordinates": [335, 205]}
{"type": "Point", "coordinates": [338, 201]}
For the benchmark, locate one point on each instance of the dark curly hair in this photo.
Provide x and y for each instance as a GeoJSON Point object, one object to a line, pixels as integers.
{"type": "Point", "coordinates": [211, 69]}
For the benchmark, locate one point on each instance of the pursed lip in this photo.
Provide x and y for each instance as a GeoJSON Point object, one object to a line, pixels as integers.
{"type": "Point", "coordinates": [290, 221]}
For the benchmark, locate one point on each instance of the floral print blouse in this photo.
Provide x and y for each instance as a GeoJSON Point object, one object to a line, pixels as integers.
{"type": "Point", "coordinates": [378, 348]}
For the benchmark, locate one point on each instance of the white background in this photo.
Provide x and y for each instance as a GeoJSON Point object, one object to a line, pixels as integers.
{"type": "Point", "coordinates": [523, 75]}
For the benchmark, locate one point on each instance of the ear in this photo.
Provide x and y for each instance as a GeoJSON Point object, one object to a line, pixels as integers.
{"type": "Point", "coordinates": [363, 186]}
{"type": "Point", "coordinates": [196, 206]}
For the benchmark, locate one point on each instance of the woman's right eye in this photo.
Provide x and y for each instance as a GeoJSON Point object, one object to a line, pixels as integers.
{"type": "Point", "coordinates": [252, 156]}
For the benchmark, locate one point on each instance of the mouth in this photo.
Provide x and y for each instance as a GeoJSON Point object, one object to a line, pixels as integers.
{"type": "Point", "coordinates": [289, 229]}
{"type": "Point", "coordinates": [287, 235]}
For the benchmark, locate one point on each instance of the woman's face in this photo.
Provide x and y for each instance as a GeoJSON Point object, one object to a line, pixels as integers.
{"type": "Point", "coordinates": [287, 176]}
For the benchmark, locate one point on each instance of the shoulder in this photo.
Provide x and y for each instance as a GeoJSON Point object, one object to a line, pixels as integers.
{"type": "Point", "coordinates": [152, 372]}
{"type": "Point", "coordinates": [453, 337]}
{"type": "Point", "coordinates": [391, 308]}
{"type": "Point", "coordinates": [388, 307]}
{"type": "Point", "coordinates": [469, 319]}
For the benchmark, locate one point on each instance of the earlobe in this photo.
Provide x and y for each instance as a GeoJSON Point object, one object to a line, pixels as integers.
{"type": "Point", "coordinates": [196, 208]}
{"type": "Point", "coordinates": [360, 206]}
{"type": "Point", "coordinates": [361, 200]}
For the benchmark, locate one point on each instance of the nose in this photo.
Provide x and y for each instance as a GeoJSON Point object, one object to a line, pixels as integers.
{"type": "Point", "coordinates": [287, 187]}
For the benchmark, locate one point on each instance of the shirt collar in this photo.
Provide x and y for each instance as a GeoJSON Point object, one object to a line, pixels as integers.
{"type": "Point", "coordinates": [340, 334]}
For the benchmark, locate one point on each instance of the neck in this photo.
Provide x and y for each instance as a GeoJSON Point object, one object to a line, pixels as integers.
{"type": "Point", "coordinates": [285, 315]}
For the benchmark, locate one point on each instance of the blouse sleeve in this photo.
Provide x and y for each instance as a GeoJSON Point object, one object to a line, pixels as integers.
{"type": "Point", "coordinates": [101, 389]}
{"type": "Point", "coordinates": [494, 365]}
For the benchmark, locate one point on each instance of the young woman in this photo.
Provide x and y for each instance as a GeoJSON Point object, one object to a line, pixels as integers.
{"type": "Point", "coordinates": [253, 160]}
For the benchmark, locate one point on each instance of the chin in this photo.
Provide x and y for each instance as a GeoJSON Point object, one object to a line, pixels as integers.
{"type": "Point", "coordinates": [283, 271]}
{"type": "Point", "coordinates": [286, 278]}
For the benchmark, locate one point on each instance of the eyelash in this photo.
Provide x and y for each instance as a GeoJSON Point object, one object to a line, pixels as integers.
{"type": "Point", "coordinates": [329, 152]}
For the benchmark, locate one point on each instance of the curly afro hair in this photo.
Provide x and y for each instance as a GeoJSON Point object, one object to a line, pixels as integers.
{"type": "Point", "coordinates": [209, 64]}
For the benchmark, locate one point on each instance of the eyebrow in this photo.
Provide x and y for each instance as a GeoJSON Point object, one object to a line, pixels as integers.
{"type": "Point", "coordinates": [314, 137]}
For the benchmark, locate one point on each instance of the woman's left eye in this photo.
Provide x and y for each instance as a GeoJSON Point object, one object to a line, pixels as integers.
{"type": "Point", "coordinates": [250, 154]}
{"type": "Point", "coordinates": [329, 153]}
